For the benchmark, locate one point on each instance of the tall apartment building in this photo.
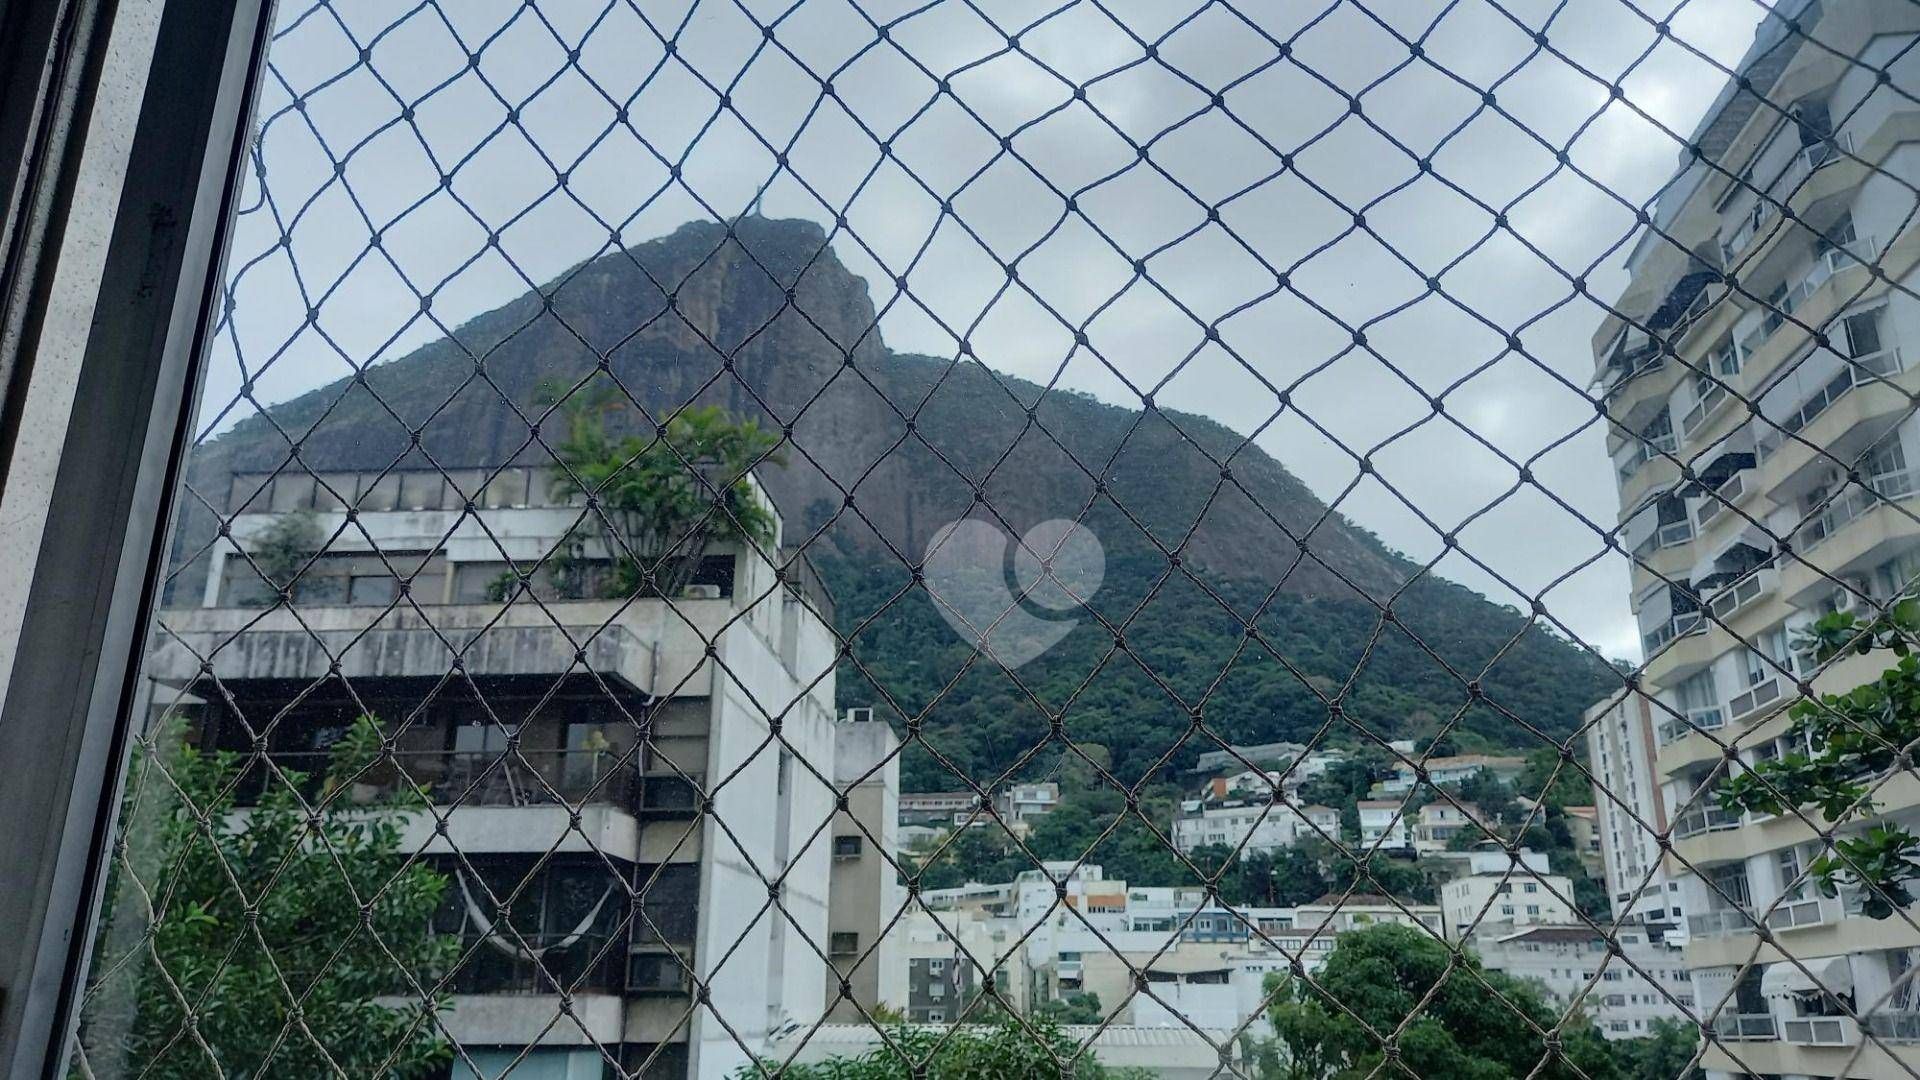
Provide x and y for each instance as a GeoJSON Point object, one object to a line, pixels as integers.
{"type": "Point", "coordinates": [569, 743]}
{"type": "Point", "coordinates": [1631, 814]}
{"type": "Point", "coordinates": [865, 895]}
{"type": "Point", "coordinates": [1717, 595]}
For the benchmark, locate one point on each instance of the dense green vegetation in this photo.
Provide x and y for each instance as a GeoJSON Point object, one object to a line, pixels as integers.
{"type": "Point", "coordinates": [1855, 738]}
{"type": "Point", "coordinates": [1035, 1049]}
{"type": "Point", "coordinates": [1187, 654]}
{"type": "Point", "coordinates": [1092, 823]}
{"type": "Point", "coordinates": [289, 931]}
{"type": "Point", "coordinates": [1446, 1018]}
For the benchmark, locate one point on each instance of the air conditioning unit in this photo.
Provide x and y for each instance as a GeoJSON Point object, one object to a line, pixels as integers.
{"type": "Point", "coordinates": [700, 592]}
{"type": "Point", "coordinates": [860, 716]}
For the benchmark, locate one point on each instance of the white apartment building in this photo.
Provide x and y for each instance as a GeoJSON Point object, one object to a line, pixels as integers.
{"type": "Point", "coordinates": [865, 893]}
{"type": "Point", "coordinates": [1631, 812]}
{"type": "Point", "coordinates": [570, 745]}
{"type": "Point", "coordinates": [1503, 891]}
{"type": "Point", "coordinates": [1383, 822]}
{"type": "Point", "coordinates": [1261, 825]}
{"type": "Point", "coordinates": [1840, 152]}
{"type": "Point", "coordinates": [1451, 770]}
{"type": "Point", "coordinates": [1624, 994]}
{"type": "Point", "coordinates": [1440, 823]}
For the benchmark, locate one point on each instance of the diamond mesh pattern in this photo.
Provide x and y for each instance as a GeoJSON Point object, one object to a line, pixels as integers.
{"type": "Point", "coordinates": [1087, 193]}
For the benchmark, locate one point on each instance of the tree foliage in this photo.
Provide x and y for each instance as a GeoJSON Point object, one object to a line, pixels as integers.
{"type": "Point", "coordinates": [661, 498]}
{"type": "Point", "coordinates": [1034, 1049]}
{"type": "Point", "coordinates": [284, 548]}
{"type": "Point", "coordinates": [1854, 739]}
{"type": "Point", "coordinates": [288, 933]}
{"type": "Point", "coordinates": [1453, 1018]}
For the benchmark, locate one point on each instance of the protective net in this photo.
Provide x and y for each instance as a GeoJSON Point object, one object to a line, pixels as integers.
{"type": "Point", "coordinates": [590, 649]}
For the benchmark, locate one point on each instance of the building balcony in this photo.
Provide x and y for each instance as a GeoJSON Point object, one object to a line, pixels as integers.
{"type": "Point", "coordinates": [1798, 914]}
{"type": "Point", "coordinates": [1704, 819]}
{"type": "Point", "coordinates": [1792, 180]}
{"type": "Point", "coordinates": [1642, 475]}
{"type": "Point", "coordinates": [1820, 1031]}
{"type": "Point", "coordinates": [1719, 505]}
{"type": "Point", "coordinates": [1740, 594]}
{"type": "Point", "coordinates": [498, 778]}
{"type": "Point", "coordinates": [1858, 531]}
{"type": "Point", "coordinates": [1709, 718]}
{"type": "Point", "coordinates": [1678, 626]}
{"type": "Point", "coordinates": [1745, 1026]}
{"type": "Point", "coordinates": [1724, 922]}
{"type": "Point", "coordinates": [1837, 421]}
{"type": "Point", "coordinates": [1894, 1027]}
{"type": "Point", "coordinates": [1680, 652]}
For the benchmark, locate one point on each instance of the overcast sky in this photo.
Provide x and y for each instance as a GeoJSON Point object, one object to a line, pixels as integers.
{"type": "Point", "coordinates": [1073, 102]}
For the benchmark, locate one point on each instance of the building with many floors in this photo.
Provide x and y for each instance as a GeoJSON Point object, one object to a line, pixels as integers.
{"type": "Point", "coordinates": [574, 749]}
{"type": "Point", "coordinates": [864, 893]}
{"type": "Point", "coordinates": [1502, 891]}
{"type": "Point", "coordinates": [1764, 444]}
{"type": "Point", "coordinates": [1631, 816]}
{"type": "Point", "coordinates": [1624, 992]}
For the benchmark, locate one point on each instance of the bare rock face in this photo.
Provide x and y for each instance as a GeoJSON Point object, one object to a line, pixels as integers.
{"type": "Point", "coordinates": [883, 450]}
{"type": "Point", "coordinates": [763, 319]}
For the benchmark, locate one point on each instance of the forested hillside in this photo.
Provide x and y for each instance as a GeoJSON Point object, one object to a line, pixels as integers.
{"type": "Point", "coordinates": [761, 318]}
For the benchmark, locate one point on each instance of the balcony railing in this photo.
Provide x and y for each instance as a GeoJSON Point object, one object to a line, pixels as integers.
{"type": "Point", "coordinates": [1857, 371]}
{"type": "Point", "coordinates": [1696, 416]}
{"type": "Point", "coordinates": [1745, 1026]}
{"type": "Point", "coordinates": [1820, 1031]}
{"type": "Point", "coordinates": [1732, 597]}
{"type": "Point", "coordinates": [1702, 819]}
{"type": "Point", "coordinates": [1723, 922]}
{"type": "Point", "coordinates": [1799, 913]}
{"type": "Point", "coordinates": [1854, 504]}
{"type": "Point", "coordinates": [1808, 160]}
{"type": "Point", "coordinates": [1757, 697]}
{"type": "Point", "coordinates": [1678, 626]}
{"type": "Point", "coordinates": [1722, 497]}
{"type": "Point", "coordinates": [1706, 718]}
{"type": "Point", "coordinates": [503, 963]}
{"type": "Point", "coordinates": [500, 778]}
{"type": "Point", "coordinates": [1895, 1026]}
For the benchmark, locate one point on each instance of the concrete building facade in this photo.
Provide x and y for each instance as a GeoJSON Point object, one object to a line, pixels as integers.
{"type": "Point", "coordinates": [574, 748]}
{"type": "Point", "coordinates": [1788, 405]}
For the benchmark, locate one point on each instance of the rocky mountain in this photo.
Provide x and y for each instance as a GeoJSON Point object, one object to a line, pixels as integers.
{"type": "Point", "coordinates": [884, 449]}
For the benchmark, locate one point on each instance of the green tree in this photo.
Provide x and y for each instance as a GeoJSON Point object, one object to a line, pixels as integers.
{"type": "Point", "coordinates": [1666, 1053]}
{"type": "Point", "coordinates": [663, 498]}
{"type": "Point", "coordinates": [283, 549]}
{"type": "Point", "coordinates": [1472, 1025]}
{"type": "Point", "coordinates": [1039, 1050]}
{"type": "Point", "coordinates": [283, 929]}
{"type": "Point", "coordinates": [1080, 1008]}
{"type": "Point", "coordinates": [1856, 737]}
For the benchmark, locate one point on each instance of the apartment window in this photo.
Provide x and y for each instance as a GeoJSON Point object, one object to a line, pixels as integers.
{"type": "Point", "coordinates": [1698, 692]}
{"type": "Point", "coordinates": [844, 943]}
{"type": "Point", "coordinates": [1776, 305]}
{"type": "Point", "coordinates": [1787, 862]}
{"type": "Point", "coordinates": [847, 847]}
{"type": "Point", "coordinates": [938, 965]}
{"type": "Point", "coordinates": [1899, 576]}
{"type": "Point", "coordinates": [1861, 333]}
{"type": "Point", "coordinates": [1726, 358]}
{"type": "Point", "coordinates": [936, 1016]}
{"type": "Point", "coordinates": [937, 990]}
